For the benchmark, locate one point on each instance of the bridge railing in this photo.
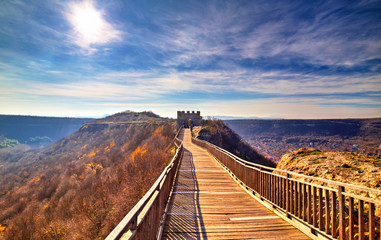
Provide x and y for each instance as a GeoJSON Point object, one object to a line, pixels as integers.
{"type": "Point", "coordinates": [320, 207]}
{"type": "Point", "coordinates": [144, 219]}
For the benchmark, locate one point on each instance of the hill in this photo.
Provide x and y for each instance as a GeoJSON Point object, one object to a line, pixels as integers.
{"type": "Point", "coordinates": [274, 138]}
{"type": "Point", "coordinates": [344, 167]}
{"type": "Point", "coordinates": [38, 131]}
{"type": "Point", "coordinates": [82, 186]}
{"type": "Point", "coordinates": [219, 134]}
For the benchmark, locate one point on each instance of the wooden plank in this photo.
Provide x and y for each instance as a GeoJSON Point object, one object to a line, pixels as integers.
{"type": "Point", "coordinates": [208, 204]}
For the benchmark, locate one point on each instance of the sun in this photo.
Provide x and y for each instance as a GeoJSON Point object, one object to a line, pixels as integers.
{"type": "Point", "coordinates": [89, 25]}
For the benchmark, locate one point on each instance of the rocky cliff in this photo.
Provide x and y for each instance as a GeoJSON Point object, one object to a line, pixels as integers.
{"type": "Point", "coordinates": [344, 167]}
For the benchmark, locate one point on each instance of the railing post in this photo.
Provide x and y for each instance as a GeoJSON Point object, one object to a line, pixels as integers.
{"type": "Point", "coordinates": [341, 213]}
{"type": "Point", "coordinates": [284, 193]}
{"type": "Point", "coordinates": [314, 197]}
{"type": "Point", "coordinates": [309, 210]}
{"type": "Point", "coordinates": [372, 234]}
{"type": "Point", "coordinates": [327, 212]}
{"type": "Point", "coordinates": [134, 223]}
{"type": "Point", "coordinates": [287, 194]}
{"type": "Point", "coordinates": [305, 202]}
{"type": "Point", "coordinates": [334, 214]}
{"type": "Point", "coordinates": [245, 174]}
{"type": "Point", "coordinates": [321, 225]}
{"type": "Point", "coordinates": [260, 182]}
{"type": "Point", "coordinates": [295, 208]}
{"type": "Point", "coordinates": [351, 230]}
{"type": "Point", "coordinates": [361, 220]}
{"type": "Point", "coordinates": [300, 197]}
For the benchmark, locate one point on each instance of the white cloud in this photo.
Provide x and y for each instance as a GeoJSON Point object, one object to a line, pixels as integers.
{"type": "Point", "coordinates": [90, 28]}
{"type": "Point", "coordinates": [153, 84]}
{"type": "Point", "coordinates": [286, 109]}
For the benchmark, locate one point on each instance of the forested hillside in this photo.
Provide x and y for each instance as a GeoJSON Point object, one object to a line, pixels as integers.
{"type": "Point", "coordinates": [83, 185]}
{"type": "Point", "coordinates": [219, 134]}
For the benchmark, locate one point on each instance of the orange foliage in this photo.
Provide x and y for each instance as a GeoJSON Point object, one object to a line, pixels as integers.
{"type": "Point", "coordinates": [158, 132]}
{"type": "Point", "coordinates": [34, 180]}
{"type": "Point", "coordinates": [20, 189]}
{"type": "Point", "coordinates": [56, 231]}
{"type": "Point", "coordinates": [95, 167]}
{"type": "Point", "coordinates": [138, 153]}
{"type": "Point", "coordinates": [92, 154]}
{"type": "Point", "coordinates": [2, 229]}
{"type": "Point", "coordinates": [112, 144]}
{"type": "Point", "coordinates": [108, 148]}
{"type": "Point", "coordinates": [81, 198]}
{"type": "Point", "coordinates": [84, 147]}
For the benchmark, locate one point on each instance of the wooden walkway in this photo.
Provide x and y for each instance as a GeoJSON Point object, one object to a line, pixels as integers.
{"type": "Point", "coordinates": [208, 204]}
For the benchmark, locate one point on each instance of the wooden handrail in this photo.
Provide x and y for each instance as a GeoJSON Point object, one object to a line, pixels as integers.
{"type": "Point", "coordinates": [328, 212]}
{"type": "Point", "coordinates": [336, 183]}
{"type": "Point", "coordinates": [178, 132]}
{"type": "Point", "coordinates": [143, 220]}
{"type": "Point", "coordinates": [176, 140]}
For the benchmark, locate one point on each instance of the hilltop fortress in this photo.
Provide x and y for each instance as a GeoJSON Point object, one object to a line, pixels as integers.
{"type": "Point", "coordinates": [183, 117]}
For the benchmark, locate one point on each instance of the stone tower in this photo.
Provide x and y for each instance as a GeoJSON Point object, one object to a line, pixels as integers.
{"type": "Point", "coordinates": [183, 117]}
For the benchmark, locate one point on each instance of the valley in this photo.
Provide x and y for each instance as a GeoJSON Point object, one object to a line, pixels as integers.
{"type": "Point", "coordinates": [274, 138]}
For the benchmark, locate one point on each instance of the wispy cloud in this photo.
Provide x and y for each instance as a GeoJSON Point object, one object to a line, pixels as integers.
{"type": "Point", "coordinates": [90, 27]}
{"type": "Point", "coordinates": [318, 56]}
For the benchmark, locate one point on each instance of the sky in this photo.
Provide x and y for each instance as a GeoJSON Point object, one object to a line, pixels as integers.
{"type": "Point", "coordinates": [284, 59]}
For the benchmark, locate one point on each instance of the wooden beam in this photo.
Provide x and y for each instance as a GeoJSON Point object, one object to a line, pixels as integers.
{"type": "Point", "coordinates": [341, 213]}
{"type": "Point", "coordinates": [327, 212]}
{"type": "Point", "coordinates": [361, 220]}
{"type": "Point", "coordinates": [351, 223]}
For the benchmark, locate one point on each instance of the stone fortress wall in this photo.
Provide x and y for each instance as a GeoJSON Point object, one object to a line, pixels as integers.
{"type": "Point", "coordinates": [183, 117]}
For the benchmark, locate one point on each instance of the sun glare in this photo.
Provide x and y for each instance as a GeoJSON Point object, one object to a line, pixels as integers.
{"type": "Point", "coordinates": [89, 25]}
{"type": "Point", "coordinates": [88, 22]}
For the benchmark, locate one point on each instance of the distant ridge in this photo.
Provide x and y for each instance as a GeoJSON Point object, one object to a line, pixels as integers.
{"type": "Point", "coordinates": [23, 128]}
{"type": "Point", "coordinates": [242, 118]}
{"type": "Point", "coordinates": [276, 137]}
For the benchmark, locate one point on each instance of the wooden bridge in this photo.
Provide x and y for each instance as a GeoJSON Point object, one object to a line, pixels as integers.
{"type": "Point", "coordinates": [208, 193]}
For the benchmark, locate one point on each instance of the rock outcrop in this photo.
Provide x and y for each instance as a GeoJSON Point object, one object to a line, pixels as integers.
{"type": "Point", "coordinates": [344, 167]}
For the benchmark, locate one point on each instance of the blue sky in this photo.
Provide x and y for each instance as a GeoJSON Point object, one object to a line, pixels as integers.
{"type": "Point", "coordinates": [289, 59]}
